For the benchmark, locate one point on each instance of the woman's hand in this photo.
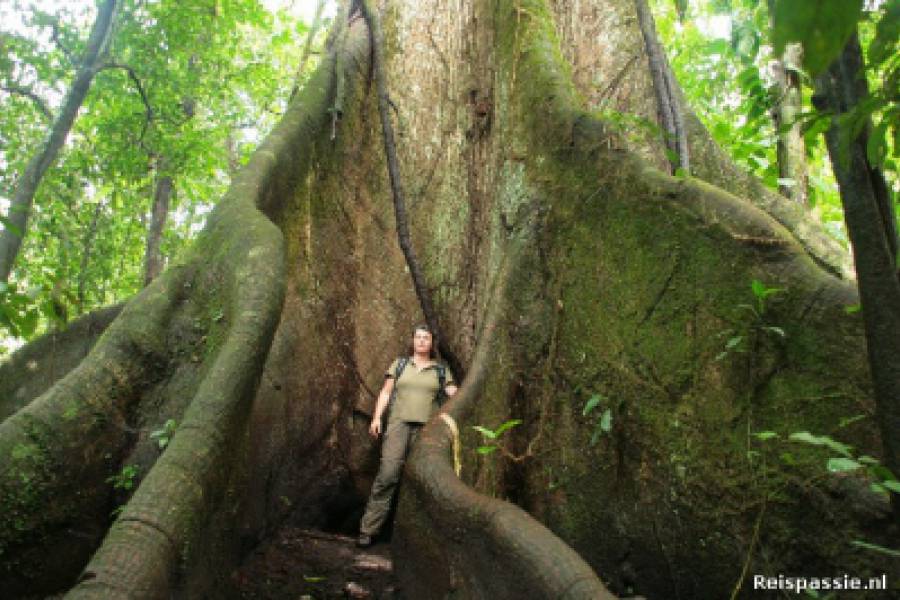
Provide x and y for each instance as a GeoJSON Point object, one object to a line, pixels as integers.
{"type": "Point", "coordinates": [381, 406]}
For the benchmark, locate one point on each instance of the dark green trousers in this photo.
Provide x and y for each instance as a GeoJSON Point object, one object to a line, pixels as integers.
{"type": "Point", "coordinates": [398, 439]}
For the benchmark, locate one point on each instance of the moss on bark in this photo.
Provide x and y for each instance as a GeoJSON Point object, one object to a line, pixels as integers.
{"type": "Point", "coordinates": [32, 369]}
{"type": "Point", "coordinates": [642, 278]}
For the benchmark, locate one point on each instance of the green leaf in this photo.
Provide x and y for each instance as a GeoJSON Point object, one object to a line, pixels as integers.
{"type": "Point", "coordinates": [591, 404]}
{"type": "Point", "coordinates": [606, 421]}
{"type": "Point", "coordinates": [882, 473]}
{"type": "Point", "coordinates": [508, 425]}
{"type": "Point", "coordinates": [852, 309]}
{"type": "Point", "coordinates": [820, 440]}
{"type": "Point", "coordinates": [485, 449]}
{"type": "Point", "coordinates": [313, 579]}
{"type": "Point", "coordinates": [805, 436]}
{"type": "Point", "coordinates": [892, 485]}
{"type": "Point", "coordinates": [878, 488]}
{"type": "Point", "coordinates": [733, 342]}
{"type": "Point", "coordinates": [887, 32]}
{"type": "Point", "coordinates": [841, 465]}
{"type": "Point", "coordinates": [488, 433]}
{"type": "Point", "coordinates": [758, 287]}
{"type": "Point", "coordinates": [775, 330]}
{"type": "Point", "coordinates": [850, 420]}
{"type": "Point", "coordinates": [821, 26]}
{"type": "Point", "coordinates": [765, 435]}
{"type": "Point", "coordinates": [28, 323]}
{"type": "Point", "coordinates": [876, 548]}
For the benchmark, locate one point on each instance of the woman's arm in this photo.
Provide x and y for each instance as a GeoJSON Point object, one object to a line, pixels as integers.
{"type": "Point", "coordinates": [381, 406]}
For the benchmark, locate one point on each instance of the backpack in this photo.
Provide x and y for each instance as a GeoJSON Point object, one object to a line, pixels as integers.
{"type": "Point", "coordinates": [401, 364]}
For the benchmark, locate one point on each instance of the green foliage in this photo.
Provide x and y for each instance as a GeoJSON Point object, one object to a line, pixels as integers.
{"type": "Point", "coordinates": [603, 421]}
{"type": "Point", "coordinates": [124, 479]}
{"type": "Point", "coordinates": [494, 435]}
{"type": "Point", "coordinates": [883, 481]}
{"type": "Point", "coordinates": [215, 76]}
{"type": "Point", "coordinates": [726, 73]}
{"type": "Point", "coordinates": [740, 339]}
{"type": "Point", "coordinates": [880, 479]}
{"type": "Point", "coordinates": [164, 434]}
{"type": "Point", "coordinates": [821, 26]}
{"type": "Point", "coordinates": [723, 79]}
{"type": "Point", "coordinates": [876, 548]}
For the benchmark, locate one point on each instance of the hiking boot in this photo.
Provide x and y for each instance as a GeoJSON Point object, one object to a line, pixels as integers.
{"type": "Point", "coordinates": [364, 541]}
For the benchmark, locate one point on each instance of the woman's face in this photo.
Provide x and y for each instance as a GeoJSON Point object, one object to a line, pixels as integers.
{"type": "Point", "coordinates": [422, 341]}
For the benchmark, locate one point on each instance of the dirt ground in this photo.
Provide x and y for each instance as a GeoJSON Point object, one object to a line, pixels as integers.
{"type": "Point", "coordinates": [299, 564]}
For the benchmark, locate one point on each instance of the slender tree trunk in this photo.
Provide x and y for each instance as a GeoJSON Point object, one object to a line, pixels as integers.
{"type": "Point", "coordinates": [671, 115]}
{"type": "Point", "coordinates": [792, 167]}
{"type": "Point", "coordinates": [20, 208]}
{"type": "Point", "coordinates": [307, 47]}
{"type": "Point", "coordinates": [872, 230]}
{"type": "Point", "coordinates": [153, 259]}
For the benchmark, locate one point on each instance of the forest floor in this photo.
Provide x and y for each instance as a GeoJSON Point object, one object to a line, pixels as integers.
{"type": "Point", "coordinates": [300, 564]}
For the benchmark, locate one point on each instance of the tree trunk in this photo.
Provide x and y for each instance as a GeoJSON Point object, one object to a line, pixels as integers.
{"type": "Point", "coordinates": [20, 207]}
{"type": "Point", "coordinates": [792, 167]}
{"type": "Point", "coordinates": [597, 274]}
{"type": "Point", "coordinates": [159, 212]}
{"type": "Point", "coordinates": [873, 235]}
{"type": "Point", "coordinates": [671, 115]}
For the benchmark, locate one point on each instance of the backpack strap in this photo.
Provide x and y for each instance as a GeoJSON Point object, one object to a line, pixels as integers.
{"type": "Point", "coordinates": [442, 382]}
{"type": "Point", "coordinates": [401, 364]}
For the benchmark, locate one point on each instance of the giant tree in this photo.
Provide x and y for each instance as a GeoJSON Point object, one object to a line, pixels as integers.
{"type": "Point", "coordinates": [570, 273]}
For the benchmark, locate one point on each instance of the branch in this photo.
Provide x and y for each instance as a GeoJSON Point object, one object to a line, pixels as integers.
{"type": "Point", "coordinates": [307, 48]}
{"type": "Point", "coordinates": [19, 90]}
{"type": "Point", "coordinates": [61, 46]}
{"type": "Point", "coordinates": [140, 88]}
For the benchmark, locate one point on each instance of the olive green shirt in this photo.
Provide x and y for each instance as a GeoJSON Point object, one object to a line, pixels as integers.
{"type": "Point", "coordinates": [417, 391]}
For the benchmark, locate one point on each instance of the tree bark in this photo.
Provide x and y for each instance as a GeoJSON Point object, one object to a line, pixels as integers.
{"type": "Point", "coordinates": [393, 163]}
{"type": "Point", "coordinates": [159, 212]}
{"type": "Point", "coordinates": [873, 236]}
{"type": "Point", "coordinates": [671, 114]}
{"type": "Point", "coordinates": [791, 146]}
{"type": "Point", "coordinates": [20, 208]}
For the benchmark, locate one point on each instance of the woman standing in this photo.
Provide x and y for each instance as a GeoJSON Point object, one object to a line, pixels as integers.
{"type": "Point", "coordinates": [412, 393]}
